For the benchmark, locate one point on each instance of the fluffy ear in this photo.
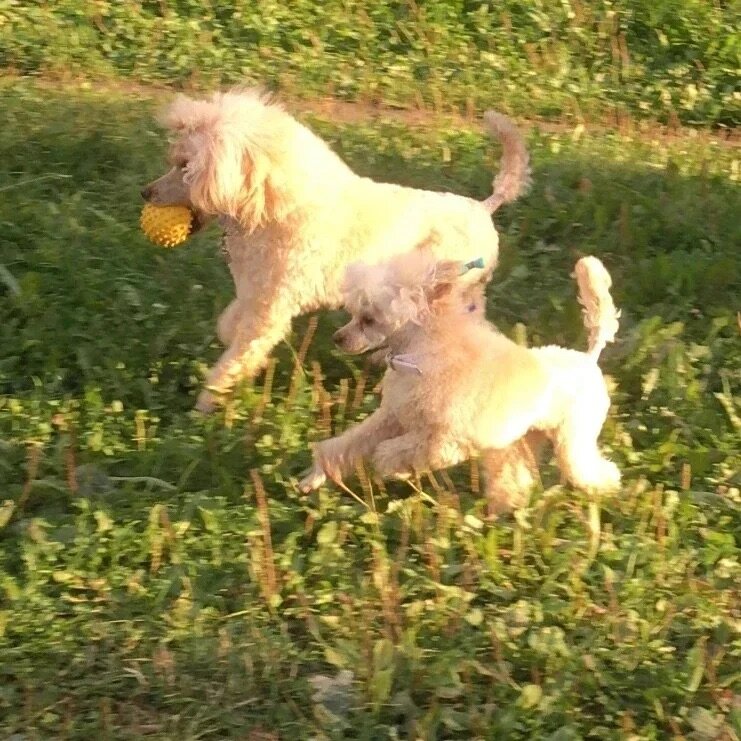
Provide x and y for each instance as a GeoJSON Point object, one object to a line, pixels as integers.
{"type": "Point", "coordinates": [214, 172]}
{"type": "Point", "coordinates": [444, 276]}
{"type": "Point", "coordinates": [227, 176]}
{"type": "Point", "coordinates": [230, 170]}
{"type": "Point", "coordinates": [257, 201]}
{"type": "Point", "coordinates": [439, 291]}
{"type": "Point", "coordinates": [408, 304]}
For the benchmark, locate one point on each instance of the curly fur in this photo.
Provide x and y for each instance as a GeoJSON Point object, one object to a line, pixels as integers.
{"type": "Point", "coordinates": [475, 393]}
{"type": "Point", "coordinates": [295, 216]}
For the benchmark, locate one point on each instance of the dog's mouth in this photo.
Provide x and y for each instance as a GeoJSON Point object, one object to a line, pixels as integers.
{"type": "Point", "coordinates": [366, 349]}
{"type": "Point", "coordinates": [381, 346]}
{"type": "Point", "coordinates": [376, 354]}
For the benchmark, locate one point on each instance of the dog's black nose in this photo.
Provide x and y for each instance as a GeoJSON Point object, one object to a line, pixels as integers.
{"type": "Point", "coordinates": [146, 192]}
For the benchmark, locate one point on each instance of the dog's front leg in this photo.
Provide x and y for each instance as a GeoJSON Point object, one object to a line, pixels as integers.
{"type": "Point", "coordinates": [226, 325]}
{"type": "Point", "coordinates": [255, 335]}
{"type": "Point", "coordinates": [337, 456]}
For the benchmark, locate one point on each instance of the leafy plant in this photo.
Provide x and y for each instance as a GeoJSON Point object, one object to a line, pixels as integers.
{"type": "Point", "coordinates": [673, 60]}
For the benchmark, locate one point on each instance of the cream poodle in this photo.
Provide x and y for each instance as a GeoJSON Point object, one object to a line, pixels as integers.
{"type": "Point", "coordinates": [294, 216]}
{"type": "Point", "coordinates": [455, 387]}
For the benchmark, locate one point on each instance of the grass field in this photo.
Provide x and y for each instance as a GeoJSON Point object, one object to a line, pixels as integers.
{"type": "Point", "coordinates": [161, 577]}
{"type": "Point", "coordinates": [667, 60]}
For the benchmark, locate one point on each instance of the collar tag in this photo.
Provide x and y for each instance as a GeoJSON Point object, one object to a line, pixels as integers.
{"type": "Point", "coordinates": [471, 264]}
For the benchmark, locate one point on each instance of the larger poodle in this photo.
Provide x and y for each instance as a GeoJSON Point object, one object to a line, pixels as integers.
{"type": "Point", "coordinates": [294, 216]}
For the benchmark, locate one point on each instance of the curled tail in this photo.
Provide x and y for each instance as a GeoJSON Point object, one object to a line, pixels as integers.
{"type": "Point", "coordinates": [514, 171]}
{"type": "Point", "coordinates": [600, 314]}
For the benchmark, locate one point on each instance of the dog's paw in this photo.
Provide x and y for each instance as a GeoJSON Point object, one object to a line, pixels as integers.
{"type": "Point", "coordinates": [603, 477]}
{"type": "Point", "coordinates": [499, 503]}
{"type": "Point", "coordinates": [206, 402]}
{"type": "Point", "coordinates": [610, 476]}
{"type": "Point", "coordinates": [313, 479]}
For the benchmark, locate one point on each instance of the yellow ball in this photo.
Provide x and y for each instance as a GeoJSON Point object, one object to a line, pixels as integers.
{"type": "Point", "coordinates": [166, 226]}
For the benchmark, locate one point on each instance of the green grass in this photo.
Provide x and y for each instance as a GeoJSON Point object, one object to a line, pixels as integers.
{"type": "Point", "coordinates": [140, 594]}
{"type": "Point", "coordinates": [671, 60]}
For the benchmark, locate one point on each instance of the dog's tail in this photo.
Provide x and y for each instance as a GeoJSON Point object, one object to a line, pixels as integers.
{"type": "Point", "coordinates": [514, 170]}
{"type": "Point", "coordinates": [600, 314]}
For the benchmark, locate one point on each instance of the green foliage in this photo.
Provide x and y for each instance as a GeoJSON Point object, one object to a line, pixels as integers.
{"type": "Point", "coordinates": [647, 58]}
{"type": "Point", "coordinates": [149, 586]}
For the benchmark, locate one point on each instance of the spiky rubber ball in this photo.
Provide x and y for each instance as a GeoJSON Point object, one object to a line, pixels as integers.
{"type": "Point", "coordinates": [166, 226]}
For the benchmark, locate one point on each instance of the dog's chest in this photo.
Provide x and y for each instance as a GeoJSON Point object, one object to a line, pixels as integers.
{"type": "Point", "coordinates": [236, 247]}
{"type": "Point", "coordinates": [231, 239]}
{"type": "Point", "coordinates": [401, 391]}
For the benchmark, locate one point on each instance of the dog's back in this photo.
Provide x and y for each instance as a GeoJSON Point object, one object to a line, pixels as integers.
{"type": "Point", "coordinates": [471, 380]}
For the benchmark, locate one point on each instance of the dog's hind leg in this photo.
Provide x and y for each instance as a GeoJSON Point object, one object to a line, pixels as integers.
{"type": "Point", "coordinates": [577, 452]}
{"type": "Point", "coordinates": [511, 473]}
{"type": "Point", "coordinates": [338, 456]}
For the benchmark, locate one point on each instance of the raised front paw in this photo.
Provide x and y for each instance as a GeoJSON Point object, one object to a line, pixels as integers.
{"type": "Point", "coordinates": [610, 477]}
{"type": "Point", "coordinates": [207, 402]}
{"type": "Point", "coordinates": [313, 479]}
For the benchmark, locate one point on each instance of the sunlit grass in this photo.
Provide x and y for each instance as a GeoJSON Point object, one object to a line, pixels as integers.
{"type": "Point", "coordinates": [159, 573]}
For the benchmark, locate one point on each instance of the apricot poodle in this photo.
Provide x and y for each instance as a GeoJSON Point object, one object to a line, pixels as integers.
{"type": "Point", "coordinates": [294, 215]}
{"type": "Point", "coordinates": [456, 387]}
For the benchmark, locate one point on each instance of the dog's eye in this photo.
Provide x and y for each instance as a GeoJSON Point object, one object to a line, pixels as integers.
{"type": "Point", "coordinates": [367, 320]}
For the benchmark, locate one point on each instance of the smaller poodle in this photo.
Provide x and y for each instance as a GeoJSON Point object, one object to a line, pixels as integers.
{"type": "Point", "coordinates": [457, 388]}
